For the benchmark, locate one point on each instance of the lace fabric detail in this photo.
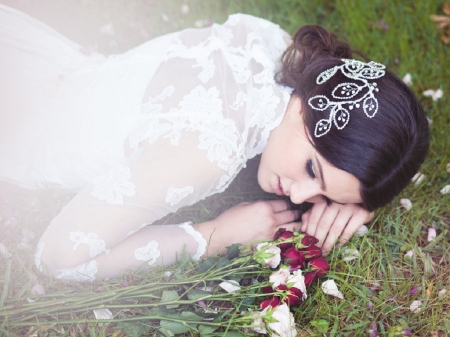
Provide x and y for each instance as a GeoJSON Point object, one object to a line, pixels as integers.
{"type": "Point", "coordinates": [175, 195]}
{"type": "Point", "coordinates": [148, 253]}
{"type": "Point", "coordinates": [96, 245]}
{"type": "Point", "coordinates": [113, 185]}
{"type": "Point", "coordinates": [82, 272]}
{"type": "Point", "coordinates": [197, 237]}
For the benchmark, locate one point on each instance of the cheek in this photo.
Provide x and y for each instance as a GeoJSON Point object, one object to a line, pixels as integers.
{"type": "Point", "coordinates": [315, 200]}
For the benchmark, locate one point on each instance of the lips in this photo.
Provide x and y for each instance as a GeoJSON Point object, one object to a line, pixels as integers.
{"type": "Point", "coordinates": [277, 188]}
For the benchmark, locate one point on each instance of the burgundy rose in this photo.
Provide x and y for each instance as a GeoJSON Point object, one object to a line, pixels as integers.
{"type": "Point", "coordinates": [273, 302]}
{"type": "Point", "coordinates": [309, 240]}
{"type": "Point", "coordinates": [293, 297]}
{"type": "Point", "coordinates": [281, 235]}
{"type": "Point", "coordinates": [310, 277]}
{"type": "Point", "coordinates": [311, 252]}
{"type": "Point", "coordinates": [319, 266]}
{"type": "Point", "coordinates": [267, 290]}
{"type": "Point", "coordinates": [294, 258]}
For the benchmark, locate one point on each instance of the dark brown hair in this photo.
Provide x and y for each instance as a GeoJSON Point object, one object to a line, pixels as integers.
{"type": "Point", "coordinates": [383, 152]}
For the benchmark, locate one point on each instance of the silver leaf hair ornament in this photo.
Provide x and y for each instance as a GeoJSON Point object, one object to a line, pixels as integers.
{"type": "Point", "coordinates": [344, 92]}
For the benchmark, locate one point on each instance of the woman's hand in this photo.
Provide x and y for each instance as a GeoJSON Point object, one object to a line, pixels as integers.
{"type": "Point", "coordinates": [335, 222]}
{"type": "Point", "coordinates": [248, 222]}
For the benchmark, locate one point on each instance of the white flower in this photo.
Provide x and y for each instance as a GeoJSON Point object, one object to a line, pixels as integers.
{"type": "Point", "coordinates": [269, 256]}
{"type": "Point", "coordinates": [279, 277]}
{"type": "Point", "coordinates": [431, 234]}
{"type": "Point", "coordinates": [258, 323]}
{"type": "Point", "coordinates": [4, 251]}
{"type": "Point", "coordinates": [445, 189]}
{"type": "Point", "coordinates": [361, 231]}
{"type": "Point", "coordinates": [114, 185]}
{"type": "Point", "coordinates": [297, 280]}
{"type": "Point", "coordinates": [329, 287]}
{"type": "Point", "coordinates": [418, 178]}
{"type": "Point", "coordinates": [406, 204]}
{"type": "Point", "coordinates": [350, 254]}
{"type": "Point", "coordinates": [285, 325]}
{"type": "Point", "coordinates": [407, 79]}
{"type": "Point", "coordinates": [103, 314]}
{"type": "Point", "coordinates": [230, 286]}
{"type": "Point", "coordinates": [185, 9]}
{"type": "Point", "coordinates": [434, 94]}
{"type": "Point", "coordinates": [415, 306]}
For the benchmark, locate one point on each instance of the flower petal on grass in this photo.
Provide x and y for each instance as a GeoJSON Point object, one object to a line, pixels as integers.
{"type": "Point", "coordinates": [414, 290]}
{"type": "Point", "coordinates": [349, 254]}
{"type": "Point", "coordinates": [415, 306]}
{"type": "Point", "coordinates": [442, 293]}
{"type": "Point", "coordinates": [361, 231]}
{"type": "Point", "coordinates": [329, 287]}
{"type": "Point", "coordinates": [418, 178]}
{"type": "Point", "coordinates": [434, 94]}
{"type": "Point", "coordinates": [406, 204]}
{"type": "Point", "coordinates": [103, 314]}
{"type": "Point", "coordinates": [431, 234]}
{"type": "Point", "coordinates": [407, 79]}
{"type": "Point", "coordinates": [230, 286]}
{"type": "Point", "coordinates": [445, 189]}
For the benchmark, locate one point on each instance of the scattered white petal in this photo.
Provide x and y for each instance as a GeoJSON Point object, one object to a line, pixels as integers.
{"type": "Point", "coordinates": [361, 231]}
{"type": "Point", "coordinates": [185, 9]}
{"type": "Point", "coordinates": [107, 29]}
{"type": "Point", "coordinates": [37, 290]}
{"type": "Point", "coordinates": [434, 94]}
{"type": "Point", "coordinates": [103, 314]}
{"type": "Point", "coordinates": [349, 254]}
{"type": "Point", "coordinates": [442, 293]}
{"type": "Point", "coordinates": [431, 234]}
{"type": "Point", "coordinates": [409, 254]}
{"type": "Point", "coordinates": [418, 178]}
{"type": "Point", "coordinates": [167, 275]}
{"type": "Point", "coordinates": [406, 204]}
{"type": "Point", "coordinates": [415, 306]}
{"type": "Point", "coordinates": [230, 286]}
{"type": "Point", "coordinates": [329, 287]}
{"type": "Point", "coordinates": [445, 189]}
{"type": "Point", "coordinates": [407, 79]}
{"type": "Point", "coordinates": [165, 18]}
{"type": "Point", "coordinates": [199, 23]}
{"type": "Point", "coordinates": [429, 120]}
{"type": "Point", "coordinates": [447, 168]}
{"type": "Point", "coordinates": [4, 251]}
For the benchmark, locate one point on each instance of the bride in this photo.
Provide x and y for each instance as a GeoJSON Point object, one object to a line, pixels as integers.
{"type": "Point", "coordinates": [172, 121]}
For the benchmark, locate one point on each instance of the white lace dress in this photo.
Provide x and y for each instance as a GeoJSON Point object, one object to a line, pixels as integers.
{"type": "Point", "coordinates": [140, 134]}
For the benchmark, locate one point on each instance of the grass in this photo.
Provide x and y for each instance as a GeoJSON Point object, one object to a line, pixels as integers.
{"type": "Point", "coordinates": [376, 286]}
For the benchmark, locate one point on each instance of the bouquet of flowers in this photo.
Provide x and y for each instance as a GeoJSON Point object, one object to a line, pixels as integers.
{"type": "Point", "coordinates": [243, 293]}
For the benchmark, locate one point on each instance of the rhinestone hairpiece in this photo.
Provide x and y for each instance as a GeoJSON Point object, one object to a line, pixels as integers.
{"type": "Point", "coordinates": [343, 93]}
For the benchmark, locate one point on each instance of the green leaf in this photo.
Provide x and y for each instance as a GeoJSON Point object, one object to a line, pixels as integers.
{"type": "Point", "coordinates": [321, 325]}
{"type": "Point", "coordinates": [233, 250]}
{"type": "Point", "coordinates": [168, 296]}
{"type": "Point", "coordinates": [206, 329]}
{"type": "Point", "coordinates": [133, 329]}
{"type": "Point", "coordinates": [166, 333]}
{"type": "Point", "coordinates": [188, 315]}
{"type": "Point", "coordinates": [174, 327]}
{"type": "Point", "coordinates": [206, 265]}
{"type": "Point", "coordinates": [222, 262]}
{"type": "Point", "coordinates": [196, 294]}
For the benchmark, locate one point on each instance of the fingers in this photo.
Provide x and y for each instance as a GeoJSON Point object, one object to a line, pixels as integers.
{"type": "Point", "coordinates": [287, 216]}
{"type": "Point", "coordinates": [355, 222]}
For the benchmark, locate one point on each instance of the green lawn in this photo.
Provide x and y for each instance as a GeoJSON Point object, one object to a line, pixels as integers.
{"type": "Point", "coordinates": [378, 287]}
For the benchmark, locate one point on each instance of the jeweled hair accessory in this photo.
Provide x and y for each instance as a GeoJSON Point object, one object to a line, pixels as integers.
{"type": "Point", "coordinates": [356, 70]}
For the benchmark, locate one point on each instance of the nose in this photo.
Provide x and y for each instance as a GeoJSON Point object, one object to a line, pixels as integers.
{"type": "Point", "coordinates": [304, 192]}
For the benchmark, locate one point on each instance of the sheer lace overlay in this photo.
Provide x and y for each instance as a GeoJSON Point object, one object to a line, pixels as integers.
{"type": "Point", "coordinates": [140, 134]}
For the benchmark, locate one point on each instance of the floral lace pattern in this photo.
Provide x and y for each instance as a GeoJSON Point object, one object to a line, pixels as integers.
{"type": "Point", "coordinates": [175, 195]}
{"type": "Point", "coordinates": [197, 237]}
{"type": "Point", "coordinates": [96, 245]}
{"type": "Point", "coordinates": [114, 185]}
{"type": "Point", "coordinates": [82, 272]}
{"type": "Point", "coordinates": [149, 253]}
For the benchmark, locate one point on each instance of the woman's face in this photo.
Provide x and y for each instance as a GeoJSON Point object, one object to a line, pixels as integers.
{"type": "Point", "coordinates": [291, 166]}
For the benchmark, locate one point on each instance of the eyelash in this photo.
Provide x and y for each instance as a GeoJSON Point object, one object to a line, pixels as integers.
{"type": "Point", "coordinates": [310, 170]}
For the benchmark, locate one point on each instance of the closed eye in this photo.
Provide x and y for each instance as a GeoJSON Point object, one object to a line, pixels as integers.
{"type": "Point", "coordinates": [310, 169]}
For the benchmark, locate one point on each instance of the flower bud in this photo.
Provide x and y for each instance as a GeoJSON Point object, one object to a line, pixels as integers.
{"type": "Point", "coordinates": [294, 258]}
{"type": "Point", "coordinates": [294, 296]}
{"type": "Point", "coordinates": [267, 254]}
{"type": "Point", "coordinates": [273, 302]}
{"type": "Point", "coordinates": [309, 278]}
{"type": "Point", "coordinates": [309, 240]}
{"type": "Point", "coordinates": [319, 266]}
{"type": "Point", "coordinates": [281, 235]}
{"type": "Point", "coordinates": [311, 252]}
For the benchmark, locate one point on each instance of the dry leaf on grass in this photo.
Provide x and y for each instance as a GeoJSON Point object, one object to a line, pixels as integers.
{"type": "Point", "coordinates": [443, 22]}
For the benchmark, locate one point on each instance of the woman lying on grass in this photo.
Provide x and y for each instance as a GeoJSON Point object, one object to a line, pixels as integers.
{"type": "Point", "coordinates": [174, 120]}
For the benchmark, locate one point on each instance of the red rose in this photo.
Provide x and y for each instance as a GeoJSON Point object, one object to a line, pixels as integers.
{"type": "Point", "coordinates": [309, 240]}
{"type": "Point", "coordinates": [309, 278]}
{"type": "Point", "coordinates": [281, 235]}
{"type": "Point", "coordinates": [319, 266]}
{"type": "Point", "coordinates": [311, 252]}
{"type": "Point", "coordinates": [273, 302]}
{"type": "Point", "coordinates": [293, 297]}
{"type": "Point", "coordinates": [294, 258]}
{"type": "Point", "coordinates": [267, 290]}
